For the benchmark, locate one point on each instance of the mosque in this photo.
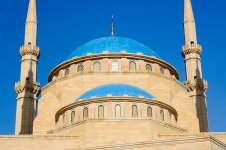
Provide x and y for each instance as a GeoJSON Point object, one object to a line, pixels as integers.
{"type": "Point", "coordinates": [112, 93]}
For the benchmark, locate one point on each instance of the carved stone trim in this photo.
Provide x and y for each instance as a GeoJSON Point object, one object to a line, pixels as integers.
{"type": "Point", "coordinates": [32, 88]}
{"type": "Point", "coordinates": [29, 50]}
{"type": "Point", "coordinates": [187, 49]}
{"type": "Point", "coordinates": [197, 84]}
{"type": "Point", "coordinates": [82, 59]}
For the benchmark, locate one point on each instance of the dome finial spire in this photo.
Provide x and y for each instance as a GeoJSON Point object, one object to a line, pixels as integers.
{"type": "Point", "coordinates": [112, 26]}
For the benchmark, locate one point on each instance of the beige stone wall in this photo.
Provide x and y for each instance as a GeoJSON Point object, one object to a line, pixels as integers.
{"type": "Point", "coordinates": [111, 131]}
{"type": "Point", "coordinates": [64, 116]}
{"type": "Point", "coordinates": [38, 142]}
{"type": "Point", "coordinates": [65, 91]}
{"type": "Point", "coordinates": [218, 135]}
{"type": "Point", "coordinates": [76, 143]}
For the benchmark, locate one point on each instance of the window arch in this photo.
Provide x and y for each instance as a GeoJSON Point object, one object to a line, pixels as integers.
{"type": "Point", "coordinates": [149, 67]}
{"type": "Point", "coordinates": [97, 66]}
{"type": "Point", "coordinates": [162, 115]}
{"type": "Point", "coordinates": [115, 66]}
{"type": "Point", "coordinates": [80, 69]}
{"type": "Point", "coordinates": [101, 111]}
{"type": "Point", "coordinates": [117, 111]}
{"type": "Point", "coordinates": [85, 112]}
{"type": "Point", "coordinates": [63, 119]}
{"type": "Point", "coordinates": [66, 72]}
{"type": "Point", "coordinates": [170, 117]}
{"type": "Point", "coordinates": [73, 116]}
{"type": "Point", "coordinates": [149, 111]}
{"type": "Point", "coordinates": [161, 70]}
{"type": "Point", "coordinates": [132, 66]}
{"type": "Point", "coordinates": [134, 111]}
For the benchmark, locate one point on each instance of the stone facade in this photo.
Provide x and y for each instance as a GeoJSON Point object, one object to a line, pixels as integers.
{"type": "Point", "coordinates": [113, 100]}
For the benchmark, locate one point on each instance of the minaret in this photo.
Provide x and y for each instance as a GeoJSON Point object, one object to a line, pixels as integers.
{"type": "Point", "coordinates": [192, 55]}
{"type": "Point", "coordinates": [27, 88]}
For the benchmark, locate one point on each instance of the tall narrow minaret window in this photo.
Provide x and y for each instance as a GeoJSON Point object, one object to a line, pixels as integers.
{"type": "Point", "coordinates": [27, 88]}
{"type": "Point", "coordinates": [192, 57]}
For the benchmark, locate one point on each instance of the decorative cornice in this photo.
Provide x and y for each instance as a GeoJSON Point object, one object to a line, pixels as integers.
{"type": "Point", "coordinates": [116, 99]}
{"type": "Point", "coordinates": [32, 88]}
{"type": "Point", "coordinates": [29, 50]}
{"type": "Point", "coordinates": [92, 120]}
{"type": "Point", "coordinates": [197, 84]}
{"type": "Point", "coordinates": [193, 48]}
{"type": "Point", "coordinates": [77, 60]}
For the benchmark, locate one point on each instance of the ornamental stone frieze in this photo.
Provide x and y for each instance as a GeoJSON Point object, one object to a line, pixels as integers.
{"type": "Point", "coordinates": [32, 88]}
{"type": "Point", "coordinates": [193, 48]}
{"type": "Point", "coordinates": [197, 84]}
{"type": "Point", "coordinates": [29, 50]}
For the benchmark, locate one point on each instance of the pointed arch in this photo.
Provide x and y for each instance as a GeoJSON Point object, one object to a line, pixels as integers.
{"type": "Point", "coordinates": [85, 112]}
{"type": "Point", "coordinates": [117, 111]}
{"type": "Point", "coordinates": [162, 115]}
{"type": "Point", "coordinates": [134, 111]}
{"type": "Point", "coordinates": [149, 67]}
{"type": "Point", "coordinates": [73, 116]}
{"type": "Point", "coordinates": [115, 66]}
{"type": "Point", "coordinates": [132, 66]}
{"type": "Point", "coordinates": [97, 66]}
{"type": "Point", "coordinates": [101, 111]}
{"type": "Point", "coordinates": [149, 111]}
{"type": "Point", "coordinates": [80, 68]}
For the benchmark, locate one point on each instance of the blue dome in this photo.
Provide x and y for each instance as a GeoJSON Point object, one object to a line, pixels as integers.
{"type": "Point", "coordinates": [115, 90]}
{"type": "Point", "coordinates": [113, 45]}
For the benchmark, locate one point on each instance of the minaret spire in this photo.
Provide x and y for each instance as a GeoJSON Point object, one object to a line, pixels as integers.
{"type": "Point", "coordinates": [31, 25]}
{"type": "Point", "coordinates": [112, 27]}
{"type": "Point", "coordinates": [189, 24]}
{"type": "Point", "coordinates": [27, 89]}
{"type": "Point", "coordinates": [191, 52]}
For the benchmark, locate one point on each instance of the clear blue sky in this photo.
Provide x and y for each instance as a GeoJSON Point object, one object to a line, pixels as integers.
{"type": "Point", "coordinates": [65, 25]}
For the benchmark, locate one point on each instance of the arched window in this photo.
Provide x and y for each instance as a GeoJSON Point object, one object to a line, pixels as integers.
{"type": "Point", "coordinates": [72, 116]}
{"type": "Point", "coordinates": [115, 66]}
{"type": "Point", "coordinates": [149, 67]}
{"type": "Point", "coordinates": [80, 69]}
{"type": "Point", "coordinates": [101, 111]}
{"type": "Point", "coordinates": [161, 70]}
{"type": "Point", "coordinates": [96, 66]}
{"type": "Point", "coordinates": [134, 111]}
{"type": "Point", "coordinates": [63, 119]}
{"type": "Point", "coordinates": [149, 112]}
{"type": "Point", "coordinates": [132, 66]}
{"type": "Point", "coordinates": [66, 72]}
{"type": "Point", "coordinates": [162, 115]}
{"type": "Point", "coordinates": [170, 117]}
{"type": "Point", "coordinates": [85, 112]}
{"type": "Point", "coordinates": [117, 111]}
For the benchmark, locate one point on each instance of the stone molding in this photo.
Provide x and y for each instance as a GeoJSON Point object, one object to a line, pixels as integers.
{"type": "Point", "coordinates": [197, 84]}
{"type": "Point", "coordinates": [32, 88]}
{"type": "Point", "coordinates": [77, 60]}
{"type": "Point", "coordinates": [53, 82]}
{"type": "Point", "coordinates": [29, 50]}
{"type": "Point", "coordinates": [188, 49]}
{"type": "Point", "coordinates": [116, 99]}
{"type": "Point", "coordinates": [43, 141]}
{"type": "Point", "coordinates": [94, 120]}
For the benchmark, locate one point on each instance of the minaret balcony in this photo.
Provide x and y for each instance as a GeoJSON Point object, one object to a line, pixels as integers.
{"type": "Point", "coordinates": [29, 50]}
{"type": "Point", "coordinates": [192, 48]}
{"type": "Point", "coordinates": [197, 84]}
{"type": "Point", "coordinates": [33, 88]}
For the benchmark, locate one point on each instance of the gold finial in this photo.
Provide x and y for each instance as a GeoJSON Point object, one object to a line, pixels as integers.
{"type": "Point", "coordinates": [112, 27]}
